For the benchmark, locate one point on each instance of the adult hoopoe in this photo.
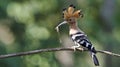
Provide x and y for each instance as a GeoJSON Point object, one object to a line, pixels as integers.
{"type": "Point", "coordinates": [78, 36]}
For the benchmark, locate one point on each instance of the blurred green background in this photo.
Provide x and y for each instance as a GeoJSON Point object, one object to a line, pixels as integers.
{"type": "Point", "coordinates": [29, 25]}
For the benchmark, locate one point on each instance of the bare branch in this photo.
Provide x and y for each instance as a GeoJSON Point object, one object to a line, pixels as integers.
{"type": "Point", "coordinates": [53, 49]}
{"type": "Point", "coordinates": [108, 52]}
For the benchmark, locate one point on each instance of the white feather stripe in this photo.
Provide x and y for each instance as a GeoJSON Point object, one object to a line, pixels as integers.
{"type": "Point", "coordinates": [74, 36]}
{"type": "Point", "coordinates": [93, 55]}
{"type": "Point", "coordinates": [87, 44]}
{"type": "Point", "coordinates": [92, 47]}
{"type": "Point", "coordinates": [81, 42]}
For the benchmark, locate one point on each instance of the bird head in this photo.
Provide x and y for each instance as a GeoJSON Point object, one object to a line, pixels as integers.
{"type": "Point", "coordinates": [70, 15]}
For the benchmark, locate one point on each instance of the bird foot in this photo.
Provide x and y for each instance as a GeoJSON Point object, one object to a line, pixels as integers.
{"type": "Point", "coordinates": [74, 48]}
{"type": "Point", "coordinates": [82, 49]}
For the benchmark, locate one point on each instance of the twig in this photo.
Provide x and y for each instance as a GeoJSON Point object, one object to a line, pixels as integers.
{"type": "Point", "coordinates": [109, 53]}
{"type": "Point", "coordinates": [51, 50]}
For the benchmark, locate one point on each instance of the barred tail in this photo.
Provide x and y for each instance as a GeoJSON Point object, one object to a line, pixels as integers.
{"type": "Point", "coordinates": [95, 60]}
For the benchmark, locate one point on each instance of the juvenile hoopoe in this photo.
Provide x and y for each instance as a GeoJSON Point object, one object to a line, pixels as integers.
{"type": "Point", "coordinates": [78, 36]}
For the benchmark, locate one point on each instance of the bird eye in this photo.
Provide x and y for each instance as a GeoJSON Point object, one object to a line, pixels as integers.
{"type": "Point", "coordinates": [70, 19]}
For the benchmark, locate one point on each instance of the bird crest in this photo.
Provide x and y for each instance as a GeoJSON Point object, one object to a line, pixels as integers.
{"type": "Point", "coordinates": [68, 13]}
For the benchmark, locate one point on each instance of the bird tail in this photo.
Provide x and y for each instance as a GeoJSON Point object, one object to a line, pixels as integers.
{"type": "Point", "coordinates": [95, 60]}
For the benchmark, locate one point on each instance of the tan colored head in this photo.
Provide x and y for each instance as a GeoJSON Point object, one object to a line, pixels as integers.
{"type": "Point", "coordinates": [70, 15]}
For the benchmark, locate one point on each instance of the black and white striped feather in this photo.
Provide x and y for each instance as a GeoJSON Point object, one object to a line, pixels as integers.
{"type": "Point", "coordinates": [82, 40]}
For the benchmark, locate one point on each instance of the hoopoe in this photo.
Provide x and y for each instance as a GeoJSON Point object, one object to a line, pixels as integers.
{"type": "Point", "coordinates": [77, 35]}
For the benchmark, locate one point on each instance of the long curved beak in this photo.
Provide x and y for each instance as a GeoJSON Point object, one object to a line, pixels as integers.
{"type": "Point", "coordinates": [57, 27]}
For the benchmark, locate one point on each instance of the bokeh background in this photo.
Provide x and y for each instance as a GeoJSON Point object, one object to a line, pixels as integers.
{"type": "Point", "coordinates": [27, 25]}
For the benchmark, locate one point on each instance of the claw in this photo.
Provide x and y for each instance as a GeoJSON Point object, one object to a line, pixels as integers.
{"type": "Point", "coordinates": [74, 48]}
{"type": "Point", "coordinates": [77, 46]}
{"type": "Point", "coordinates": [82, 49]}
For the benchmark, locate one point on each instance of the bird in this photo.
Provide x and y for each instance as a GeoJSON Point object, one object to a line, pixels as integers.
{"type": "Point", "coordinates": [80, 39]}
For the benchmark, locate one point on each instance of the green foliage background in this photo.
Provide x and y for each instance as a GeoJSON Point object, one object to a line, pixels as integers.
{"type": "Point", "coordinates": [29, 24]}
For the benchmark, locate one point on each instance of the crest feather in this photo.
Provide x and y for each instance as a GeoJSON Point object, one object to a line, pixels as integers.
{"type": "Point", "coordinates": [68, 13]}
{"type": "Point", "coordinates": [70, 10]}
{"type": "Point", "coordinates": [65, 14]}
{"type": "Point", "coordinates": [77, 14]}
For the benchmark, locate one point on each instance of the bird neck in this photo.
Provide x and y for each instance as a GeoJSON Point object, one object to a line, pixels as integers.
{"type": "Point", "coordinates": [73, 28]}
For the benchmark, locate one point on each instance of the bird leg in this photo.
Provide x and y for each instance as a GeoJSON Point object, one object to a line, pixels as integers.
{"type": "Point", "coordinates": [74, 47]}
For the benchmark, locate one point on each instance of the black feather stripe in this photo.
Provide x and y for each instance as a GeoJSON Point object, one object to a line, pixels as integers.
{"type": "Point", "coordinates": [82, 40]}
{"type": "Point", "coordinates": [95, 60]}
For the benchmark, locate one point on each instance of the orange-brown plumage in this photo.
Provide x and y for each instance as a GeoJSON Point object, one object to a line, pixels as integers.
{"type": "Point", "coordinates": [77, 14]}
{"type": "Point", "coordinates": [68, 13]}
{"type": "Point", "coordinates": [70, 10]}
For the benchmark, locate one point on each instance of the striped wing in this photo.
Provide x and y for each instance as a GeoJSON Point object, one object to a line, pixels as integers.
{"type": "Point", "coordinates": [82, 39]}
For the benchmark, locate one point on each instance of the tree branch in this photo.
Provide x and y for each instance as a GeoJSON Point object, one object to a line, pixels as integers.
{"type": "Point", "coordinates": [54, 49]}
